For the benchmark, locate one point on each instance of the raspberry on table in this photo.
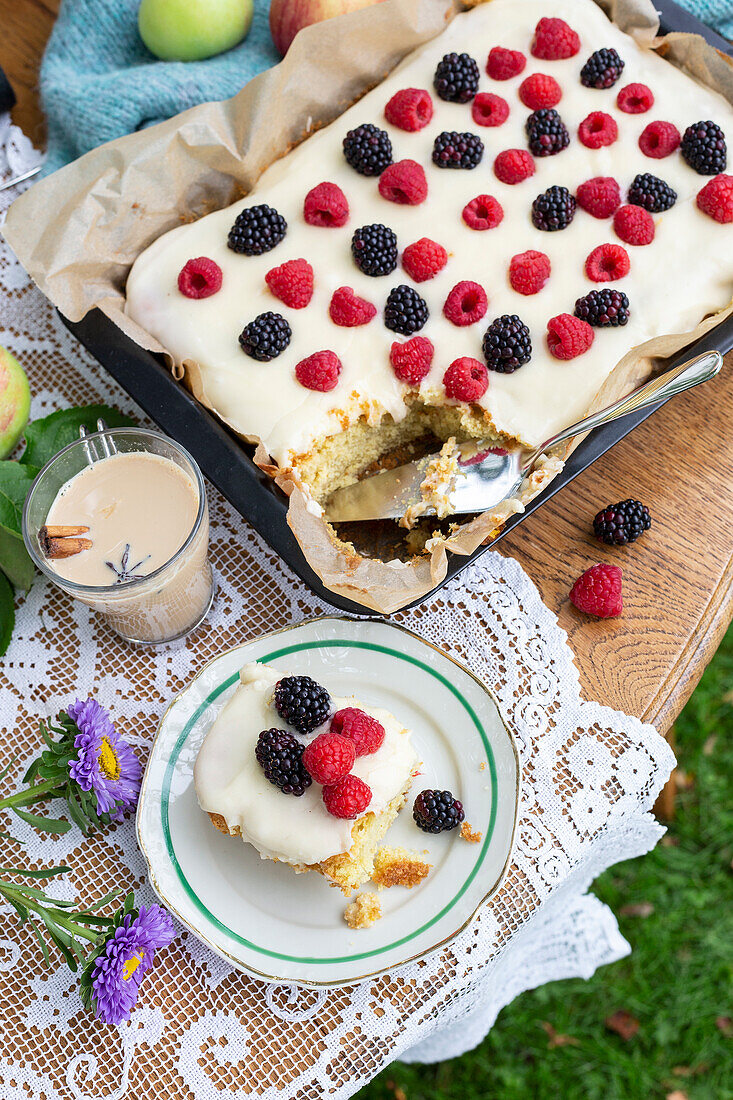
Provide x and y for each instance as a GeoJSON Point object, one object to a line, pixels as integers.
{"type": "Point", "coordinates": [716, 199]}
{"type": "Point", "coordinates": [554, 40]}
{"type": "Point", "coordinates": [483, 212]}
{"type": "Point", "coordinates": [635, 99]}
{"type": "Point", "coordinates": [412, 360]}
{"type": "Point", "coordinates": [597, 129]}
{"type": "Point", "coordinates": [659, 139]}
{"type": "Point", "coordinates": [200, 278]}
{"type": "Point", "coordinates": [606, 263]}
{"type": "Point", "coordinates": [546, 132]}
{"type": "Point", "coordinates": [553, 210]}
{"type": "Point", "coordinates": [405, 311]}
{"type": "Point", "coordinates": [301, 702]}
{"type": "Point", "coordinates": [602, 69]}
{"type": "Point", "coordinates": [348, 310]}
{"type": "Point", "coordinates": [466, 304]}
{"type": "Point", "coordinates": [503, 64]}
{"type": "Point", "coordinates": [507, 344]}
{"type": "Point", "coordinates": [602, 308]}
{"type": "Point", "coordinates": [266, 337]}
{"type": "Point", "coordinates": [319, 371]}
{"type": "Point", "coordinates": [280, 755]}
{"type": "Point", "coordinates": [256, 230]}
{"type": "Point", "coordinates": [292, 283]}
{"type": "Point", "coordinates": [598, 591]}
{"type": "Point", "coordinates": [634, 225]}
{"type": "Point", "coordinates": [454, 150]}
{"type": "Point", "coordinates": [374, 248]}
{"type": "Point", "coordinates": [618, 524]}
{"type": "Point", "coordinates": [409, 109]}
{"type": "Point", "coordinates": [329, 757]}
{"type": "Point", "coordinates": [529, 271]}
{"type": "Point", "coordinates": [600, 196]}
{"type": "Point", "coordinates": [365, 732]}
{"type": "Point", "coordinates": [466, 380]}
{"type": "Point", "coordinates": [437, 811]}
{"type": "Point", "coordinates": [456, 78]}
{"type": "Point", "coordinates": [703, 147]}
{"type": "Point", "coordinates": [424, 259]}
{"type": "Point", "coordinates": [326, 205]}
{"type": "Point", "coordinates": [539, 90]}
{"type": "Point", "coordinates": [488, 109]}
{"type": "Point", "coordinates": [348, 798]}
{"type": "Point", "coordinates": [368, 149]}
{"type": "Point", "coordinates": [404, 183]}
{"type": "Point", "coordinates": [513, 166]}
{"type": "Point", "coordinates": [652, 193]}
{"type": "Point", "coordinates": [568, 336]}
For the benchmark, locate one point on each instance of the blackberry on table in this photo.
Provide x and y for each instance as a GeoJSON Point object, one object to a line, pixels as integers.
{"type": "Point", "coordinates": [280, 755]}
{"type": "Point", "coordinates": [602, 69]}
{"type": "Point", "coordinates": [456, 78]}
{"type": "Point", "coordinates": [368, 149]}
{"type": "Point", "coordinates": [405, 312]}
{"type": "Point", "coordinates": [265, 337]}
{"type": "Point", "coordinates": [703, 147]}
{"type": "Point", "coordinates": [507, 344]}
{"type": "Point", "coordinates": [621, 523]}
{"type": "Point", "coordinates": [602, 308]}
{"type": "Point", "coordinates": [546, 132]}
{"type": "Point", "coordinates": [437, 811]}
{"type": "Point", "coordinates": [454, 150]}
{"type": "Point", "coordinates": [554, 209]}
{"type": "Point", "coordinates": [374, 248]}
{"type": "Point", "coordinates": [651, 193]}
{"type": "Point", "coordinates": [301, 702]}
{"type": "Point", "coordinates": [256, 230]}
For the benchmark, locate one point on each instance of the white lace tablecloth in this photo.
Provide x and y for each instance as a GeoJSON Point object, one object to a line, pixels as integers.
{"type": "Point", "coordinates": [202, 1031]}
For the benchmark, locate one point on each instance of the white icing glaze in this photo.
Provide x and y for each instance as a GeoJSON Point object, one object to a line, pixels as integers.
{"type": "Point", "coordinates": [297, 830]}
{"type": "Point", "coordinates": [686, 272]}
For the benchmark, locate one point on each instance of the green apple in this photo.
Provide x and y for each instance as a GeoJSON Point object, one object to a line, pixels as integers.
{"type": "Point", "coordinates": [15, 402]}
{"type": "Point", "coordinates": [190, 30]}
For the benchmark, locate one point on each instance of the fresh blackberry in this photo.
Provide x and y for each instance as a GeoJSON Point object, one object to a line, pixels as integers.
{"type": "Point", "coordinates": [621, 523]}
{"type": "Point", "coordinates": [652, 193]}
{"type": "Point", "coordinates": [602, 308]}
{"type": "Point", "coordinates": [453, 150]}
{"type": "Point", "coordinates": [436, 811]}
{"type": "Point", "coordinates": [405, 312]}
{"type": "Point", "coordinates": [265, 337]}
{"type": "Point", "coordinates": [547, 134]}
{"type": "Point", "coordinates": [368, 149]}
{"type": "Point", "coordinates": [374, 248]}
{"type": "Point", "coordinates": [602, 69]}
{"type": "Point", "coordinates": [280, 755]}
{"type": "Point", "coordinates": [554, 209]}
{"type": "Point", "coordinates": [456, 78]}
{"type": "Point", "coordinates": [507, 344]}
{"type": "Point", "coordinates": [257, 230]}
{"type": "Point", "coordinates": [703, 147]}
{"type": "Point", "coordinates": [301, 702]}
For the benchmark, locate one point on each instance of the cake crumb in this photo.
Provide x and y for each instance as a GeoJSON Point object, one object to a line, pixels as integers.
{"type": "Point", "coordinates": [399, 867]}
{"type": "Point", "coordinates": [468, 834]}
{"type": "Point", "coordinates": [363, 911]}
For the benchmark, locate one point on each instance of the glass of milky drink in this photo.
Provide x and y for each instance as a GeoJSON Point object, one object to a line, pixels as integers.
{"type": "Point", "coordinates": [119, 520]}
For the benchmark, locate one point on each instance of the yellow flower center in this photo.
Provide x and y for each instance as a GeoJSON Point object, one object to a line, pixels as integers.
{"type": "Point", "coordinates": [108, 761]}
{"type": "Point", "coordinates": [131, 966]}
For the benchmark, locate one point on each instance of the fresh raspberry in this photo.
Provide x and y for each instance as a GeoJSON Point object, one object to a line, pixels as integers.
{"type": "Point", "coordinates": [325, 205]}
{"type": "Point", "coordinates": [292, 283]}
{"type": "Point", "coordinates": [411, 361]}
{"type": "Point", "coordinates": [319, 371]}
{"type": "Point", "coordinates": [600, 196]}
{"type": "Point", "coordinates": [607, 263]}
{"type": "Point", "coordinates": [568, 336]}
{"type": "Point", "coordinates": [348, 798]}
{"type": "Point", "coordinates": [424, 259]}
{"type": "Point", "coordinates": [503, 64]}
{"type": "Point", "coordinates": [659, 139]}
{"type": "Point", "coordinates": [466, 379]}
{"type": "Point", "coordinates": [529, 271]}
{"type": "Point", "coordinates": [329, 757]}
{"type": "Point", "coordinates": [716, 198]}
{"type": "Point", "coordinates": [404, 183]}
{"type": "Point", "coordinates": [483, 212]}
{"type": "Point", "coordinates": [554, 40]}
{"type": "Point", "coordinates": [538, 90]}
{"type": "Point", "coordinates": [466, 303]}
{"type": "Point", "coordinates": [410, 109]}
{"type": "Point", "coordinates": [635, 99]}
{"type": "Point", "coordinates": [598, 129]}
{"type": "Point", "coordinates": [634, 225]}
{"type": "Point", "coordinates": [348, 310]}
{"type": "Point", "coordinates": [366, 733]}
{"type": "Point", "coordinates": [488, 109]}
{"type": "Point", "coordinates": [199, 278]}
{"type": "Point", "coordinates": [513, 166]}
{"type": "Point", "coordinates": [598, 591]}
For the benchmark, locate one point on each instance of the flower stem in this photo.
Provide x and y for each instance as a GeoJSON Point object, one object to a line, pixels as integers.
{"type": "Point", "coordinates": [28, 795]}
{"type": "Point", "coordinates": [11, 891]}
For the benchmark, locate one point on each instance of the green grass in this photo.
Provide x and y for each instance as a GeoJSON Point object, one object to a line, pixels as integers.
{"type": "Point", "coordinates": [677, 981]}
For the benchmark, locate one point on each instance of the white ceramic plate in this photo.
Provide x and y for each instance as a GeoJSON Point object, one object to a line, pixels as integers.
{"type": "Point", "coordinates": [281, 926]}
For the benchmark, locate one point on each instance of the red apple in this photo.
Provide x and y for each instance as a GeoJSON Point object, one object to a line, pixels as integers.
{"type": "Point", "coordinates": [287, 17]}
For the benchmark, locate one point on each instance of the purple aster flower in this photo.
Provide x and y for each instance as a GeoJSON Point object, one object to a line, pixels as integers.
{"type": "Point", "coordinates": [123, 960]}
{"type": "Point", "coordinates": [105, 762]}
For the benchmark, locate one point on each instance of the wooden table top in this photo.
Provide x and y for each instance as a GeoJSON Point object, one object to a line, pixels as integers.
{"type": "Point", "coordinates": [678, 596]}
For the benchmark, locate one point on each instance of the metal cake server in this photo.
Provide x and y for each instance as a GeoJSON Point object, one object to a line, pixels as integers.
{"type": "Point", "coordinates": [487, 474]}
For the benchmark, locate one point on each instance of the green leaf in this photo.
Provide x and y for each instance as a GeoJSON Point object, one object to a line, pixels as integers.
{"type": "Point", "coordinates": [7, 622]}
{"type": "Point", "coordinates": [41, 941]}
{"type": "Point", "coordinates": [46, 437]}
{"type": "Point", "coordinates": [15, 560]}
{"type": "Point", "coordinates": [46, 824]}
{"type": "Point", "coordinates": [45, 872]}
{"type": "Point", "coordinates": [15, 481]}
{"type": "Point", "coordinates": [9, 765]}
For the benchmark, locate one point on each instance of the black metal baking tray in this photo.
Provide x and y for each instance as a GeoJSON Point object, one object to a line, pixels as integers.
{"type": "Point", "coordinates": [227, 463]}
